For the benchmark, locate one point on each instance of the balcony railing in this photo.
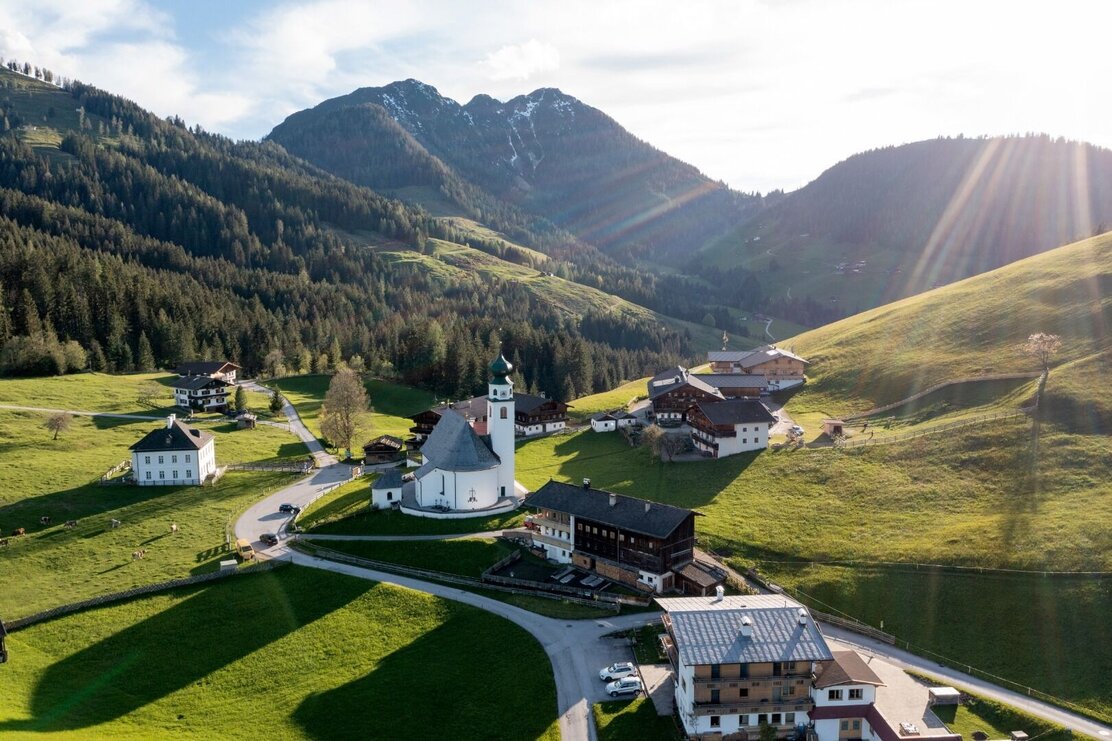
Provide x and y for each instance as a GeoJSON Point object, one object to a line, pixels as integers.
{"type": "Point", "coordinates": [551, 540]}
{"type": "Point", "coordinates": [743, 706]}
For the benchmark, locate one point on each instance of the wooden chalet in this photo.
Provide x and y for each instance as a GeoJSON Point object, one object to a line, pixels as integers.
{"type": "Point", "coordinates": [384, 449]}
{"type": "Point", "coordinates": [676, 390]}
{"type": "Point", "coordinates": [633, 541]}
{"type": "Point", "coordinates": [537, 415]}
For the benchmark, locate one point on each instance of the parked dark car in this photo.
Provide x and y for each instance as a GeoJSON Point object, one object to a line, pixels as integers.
{"type": "Point", "coordinates": [269, 538]}
{"type": "Point", "coordinates": [292, 509]}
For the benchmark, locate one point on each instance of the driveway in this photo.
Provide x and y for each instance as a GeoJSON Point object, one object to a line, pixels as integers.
{"type": "Point", "coordinates": [297, 427]}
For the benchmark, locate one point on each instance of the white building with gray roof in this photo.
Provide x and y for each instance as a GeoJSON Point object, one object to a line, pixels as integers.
{"type": "Point", "coordinates": [466, 474]}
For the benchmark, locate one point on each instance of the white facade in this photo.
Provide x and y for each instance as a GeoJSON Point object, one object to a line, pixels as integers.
{"type": "Point", "coordinates": [727, 724]}
{"type": "Point", "coordinates": [501, 428]}
{"type": "Point", "coordinates": [779, 384]}
{"type": "Point", "coordinates": [604, 425]}
{"type": "Point", "coordinates": [385, 498]}
{"type": "Point", "coordinates": [201, 398]}
{"type": "Point", "coordinates": [747, 437]}
{"type": "Point", "coordinates": [539, 429]}
{"type": "Point", "coordinates": [459, 490]}
{"type": "Point", "coordinates": [556, 539]}
{"type": "Point", "coordinates": [174, 467]}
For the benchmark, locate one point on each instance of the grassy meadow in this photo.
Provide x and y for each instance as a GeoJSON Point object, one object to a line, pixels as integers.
{"type": "Point", "coordinates": [973, 327]}
{"type": "Point", "coordinates": [300, 653]}
{"type": "Point", "coordinates": [470, 557]}
{"type": "Point", "coordinates": [607, 401]}
{"type": "Point", "coordinates": [620, 720]}
{"type": "Point", "coordinates": [975, 619]}
{"type": "Point", "coordinates": [53, 565]}
{"type": "Point", "coordinates": [965, 499]}
{"type": "Point", "coordinates": [392, 403]}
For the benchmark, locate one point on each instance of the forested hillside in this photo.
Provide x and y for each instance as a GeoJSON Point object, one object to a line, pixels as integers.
{"type": "Point", "coordinates": [129, 242]}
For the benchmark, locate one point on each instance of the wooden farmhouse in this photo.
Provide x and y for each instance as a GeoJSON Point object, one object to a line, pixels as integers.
{"type": "Point", "coordinates": [383, 449]}
{"type": "Point", "coordinates": [221, 369]}
{"type": "Point", "coordinates": [783, 369]}
{"type": "Point", "coordinates": [723, 428]}
{"type": "Point", "coordinates": [675, 391]}
{"type": "Point", "coordinates": [628, 540]}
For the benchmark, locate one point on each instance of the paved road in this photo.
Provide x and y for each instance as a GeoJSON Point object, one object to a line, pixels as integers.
{"type": "Point", "coordinates": [907, 660]}
{"type": "Point", "coordinates": [297, 427]}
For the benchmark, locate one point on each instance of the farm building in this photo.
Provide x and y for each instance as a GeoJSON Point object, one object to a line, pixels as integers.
{"type": "Point", "coordinates": [383, 449]}
{"type": "Point", "coordinates": [386, 491]}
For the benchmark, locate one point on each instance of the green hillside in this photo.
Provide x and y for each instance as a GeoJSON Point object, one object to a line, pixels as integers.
{"type": "Point", "coordinates": [970, 328]}
{"type": "Point", "coordinates": [297, 653]}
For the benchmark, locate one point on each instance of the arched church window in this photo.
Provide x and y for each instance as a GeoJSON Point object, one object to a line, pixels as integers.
{"type": "Point", "coordinates": [503, 415]}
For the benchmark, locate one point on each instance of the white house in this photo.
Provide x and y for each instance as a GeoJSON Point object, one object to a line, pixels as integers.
{"type": "Point", "coordinates": [723, 428]}
{"type": "Point", "coordinates": [174, 455]}
{"type": "Point", "coordinates": [610, 421]}
{"type": "Point", "coordinates": [464, 472]}
{"type": "Point", "coordinates": [386, 491]}
{"type": "Point", "coordinates": [220, 369]}
{"type": "Point", "coordinates": [844, 694]}
{"type": "Point", "coordinates": [201, 393]}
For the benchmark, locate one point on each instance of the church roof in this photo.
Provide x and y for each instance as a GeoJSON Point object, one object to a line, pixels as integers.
{"type": "Point", "coordinates": [454, 446]}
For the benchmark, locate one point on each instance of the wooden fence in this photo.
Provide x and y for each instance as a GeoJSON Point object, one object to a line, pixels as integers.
{"type": "Point", "coordinates": [288, 466]}
{"type": "Point", "coordinates": [863, 442]}
{"type": "Point", "coordinates": [54, 612]}
{"type": "Point", "coordinates": [120, 467]}
{"type": "Point", "coordinates": [440, 576]}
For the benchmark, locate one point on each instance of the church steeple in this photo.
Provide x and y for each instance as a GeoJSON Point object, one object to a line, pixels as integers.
{"type": "Point", "coordinates": [500, 369]}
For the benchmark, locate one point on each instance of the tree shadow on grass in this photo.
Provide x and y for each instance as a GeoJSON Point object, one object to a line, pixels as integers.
{"type": "Point", "coordinates": [442, 685]}
{"type": "Point", "coordinates": [213, 627]}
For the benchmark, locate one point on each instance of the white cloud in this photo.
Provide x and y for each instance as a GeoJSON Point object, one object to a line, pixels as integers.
{"type": "Point", "coordinates": [760, 94]}
{"type": "Point", "coordinates": [521, 61]}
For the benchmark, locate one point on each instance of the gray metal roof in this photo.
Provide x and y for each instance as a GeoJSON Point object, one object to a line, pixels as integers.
{"type": "Point", "coordinates": [736, 411]}
{"type": "Point", "coordinates": [193, 383]}
{"type": "Point", "coordinates": [627, 513]}
{"type": "Point", "coordinates": [718, 380]}
{"type": "Point", "coordinates": [675, 378]}
{"type": "Point", "coordinates": [176, 436]}
{"type": "Point", "coordinates": [391, 478]}
{"type": "Point", "coordinates": [454, 446]}
{"type": "Point", "coordinates": [204, 367]}
{"type": "Point", "coordinates": [713, 636]}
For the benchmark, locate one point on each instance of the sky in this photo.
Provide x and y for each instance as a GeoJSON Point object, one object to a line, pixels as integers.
{"type": "Point", "coordinates": [761, 95]}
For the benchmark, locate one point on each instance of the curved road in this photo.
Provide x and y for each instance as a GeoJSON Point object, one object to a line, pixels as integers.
{"type": "Point", "coordinates": [576, 648]}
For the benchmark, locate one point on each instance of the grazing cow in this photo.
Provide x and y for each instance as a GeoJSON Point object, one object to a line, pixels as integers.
{"type": "Point", "coordinates": [19, 531]}
{"type": "Point", "coordinates": [71, 523]}
{"type": "Point", "coordinates": [3, 542]}
{"type": "Point", "coordinates": [115, 523]}
{"type": "Point", "coordinates": [44, 520]}
{"type": "Point", "coordinates": [174, 528]}
{"type": "Point", "coordinates": [136, 555]}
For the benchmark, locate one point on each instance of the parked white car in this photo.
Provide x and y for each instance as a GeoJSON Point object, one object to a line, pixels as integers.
{"type": "Point", "coordinates": [624, 686]}
{"type": "Point", "coordinates": [617, 671]}
{"type": "Point", "coordinates": [797, 430]}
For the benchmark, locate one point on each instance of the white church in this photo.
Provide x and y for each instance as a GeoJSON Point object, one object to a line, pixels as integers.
{"type": "Point", "coordinates": [466, 474]}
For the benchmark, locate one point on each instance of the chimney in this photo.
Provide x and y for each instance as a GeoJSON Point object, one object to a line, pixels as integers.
{"type": "Point", "coordinates": [586, 483]}
{"type": "Point", "coordinates": [719, 593]}
{"type": "Point", "coordinates": [543, 394]}
{"type": "Point", "coordinates": [648, 505]}
{"type": "Point", "coordinates": [746, 627]}
{"type": "Point", "coordinates": [170, 421]}
{"type": "Point", "coordinates": [802, 616]}
{"type": "Point", "coordinates": [613, 499]}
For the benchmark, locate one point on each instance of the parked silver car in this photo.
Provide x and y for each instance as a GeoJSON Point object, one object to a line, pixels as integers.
{"type": "Point", "coordinates": [624, 686]}
{"type": "Point", "coordinates": [617, 671]}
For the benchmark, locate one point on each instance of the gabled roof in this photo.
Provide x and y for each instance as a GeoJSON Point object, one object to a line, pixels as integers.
{"type": "Point", "coordinates": [391, 478]}
{"type": "Point", "coordinates": [736, 412]}
{"type": "Point", "coordinates": [385, 441]}
{"type": "Point", "coordinates": [195, 383]}
{"type": "Point", "coordinates": [603, 417]}
{"type": "Point", "coordinates": [714, 635]}
{"type": "Point", "coordinates": [749, 358]}
{"type": "Point", "coordinates": [454, 446]}
{"type": "Point", "coordinates": [205, 367]}
{"type": "Point", "coordinates": [528, 402]}
{"type": "Point", "coordinates": [176, 436]}
{"type": "Point", "coordinates": [627, 513]}
{"type": "Point", "coordinates": [733, 380]}
{"type": "Point", "coordinates": [656, 389]}
{"type": "Point", "coordinates": [677, 374]}
{"type": "Point", "coordinates": [847, 668]}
